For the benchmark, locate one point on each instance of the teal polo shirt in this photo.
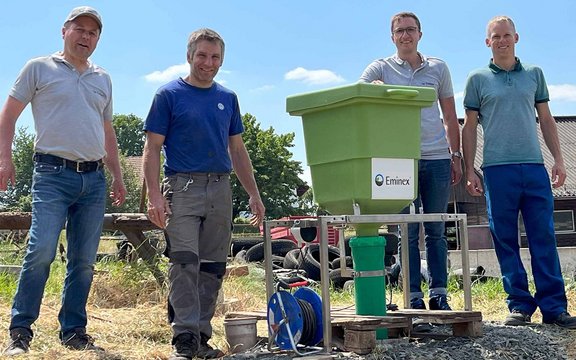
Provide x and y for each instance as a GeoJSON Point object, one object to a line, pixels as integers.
{"type": "Point", "coordinates": [505, 102]}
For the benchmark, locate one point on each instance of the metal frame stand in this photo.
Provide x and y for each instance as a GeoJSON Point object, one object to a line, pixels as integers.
{"type": "Point", "coordinates": [322, 222]}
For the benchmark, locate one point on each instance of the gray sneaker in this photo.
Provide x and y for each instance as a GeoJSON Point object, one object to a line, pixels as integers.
{"type": "Point", "coordinates": [79, 340]}
{"type": "Point", "coordinates": [19, 342]}
{"type": "Point", "coordinates": [518, 318]}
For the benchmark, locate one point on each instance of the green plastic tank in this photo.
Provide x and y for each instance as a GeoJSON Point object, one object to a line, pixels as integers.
{"type": "Point", "coordinates": [370, 280]}
{"type": "Point", "coordinates": [363, 145]}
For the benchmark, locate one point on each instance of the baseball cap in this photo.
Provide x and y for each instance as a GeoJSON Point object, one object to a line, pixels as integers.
{"type": "Point", "coordinates": [85, 11]}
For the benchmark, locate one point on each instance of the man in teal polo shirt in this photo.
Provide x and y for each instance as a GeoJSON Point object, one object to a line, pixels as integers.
{"type": "Point", "coordinates": [502, 97]}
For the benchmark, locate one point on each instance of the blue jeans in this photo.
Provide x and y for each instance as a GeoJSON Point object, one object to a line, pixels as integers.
{"type": "Point", "coordinates": [434, 177]}
{"type": "Point", "coordinates": [525, 188]}
{"type": "Point", "coordinates": [61, 195]}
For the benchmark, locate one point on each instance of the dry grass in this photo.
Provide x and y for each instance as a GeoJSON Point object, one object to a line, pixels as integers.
{"type": "Point", "coordinates": [128, 317]}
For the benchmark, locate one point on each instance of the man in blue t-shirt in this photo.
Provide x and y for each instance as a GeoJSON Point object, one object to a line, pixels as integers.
{"type": "Point", "coordinates": [501, 98]}
{"type": "Point", "coordinates": [197, 123]}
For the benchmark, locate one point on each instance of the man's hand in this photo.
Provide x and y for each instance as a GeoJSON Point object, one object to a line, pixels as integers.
{"type": "Point", "coordinates": [158, 208]}
{"type": "Point", "coordinates": [118, 192]}
{"type": "Point", "coordinates": [456, 170]}
{"type": "Point", "coordinates": [257, 208]}
{"type": "Point", "coordinates": [7, 174]}
{"type": "Point", "coordinates": [473, 184]}
{"type": "Point", "coordinates": [558, 175]}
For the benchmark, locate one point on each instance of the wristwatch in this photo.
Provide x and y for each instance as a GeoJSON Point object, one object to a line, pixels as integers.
{"type": "Point", "coordinates": [457, 154]}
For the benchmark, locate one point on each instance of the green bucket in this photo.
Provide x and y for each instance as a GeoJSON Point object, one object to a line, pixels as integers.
{"type": "Point", "coordinates": [370, 280]}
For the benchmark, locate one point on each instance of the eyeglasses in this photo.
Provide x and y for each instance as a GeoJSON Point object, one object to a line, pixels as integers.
{"type": "Point", "coordinates": [411, 30]}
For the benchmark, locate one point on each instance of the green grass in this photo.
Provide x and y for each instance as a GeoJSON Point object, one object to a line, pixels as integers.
{"type": "Point", "coordinates": [7, 287]}
{"type": "Point", "coordinates": [120, 283]}
{"type": "Point", "coordinates": [9, 282]}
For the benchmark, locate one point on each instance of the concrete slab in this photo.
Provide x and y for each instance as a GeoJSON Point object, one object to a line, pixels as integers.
{"type": "Point", "coordinates": [487, 259]}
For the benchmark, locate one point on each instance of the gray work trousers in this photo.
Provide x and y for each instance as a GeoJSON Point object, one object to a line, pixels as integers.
{"type": "Point", "coordinates": [198, 234]}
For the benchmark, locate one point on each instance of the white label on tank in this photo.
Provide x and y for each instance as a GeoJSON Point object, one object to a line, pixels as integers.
{"type": "Point", "coordinates": [393, 179]}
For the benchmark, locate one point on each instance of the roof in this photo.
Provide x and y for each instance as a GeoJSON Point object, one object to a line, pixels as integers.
{"type": "Point", "coordinates": [567, 136]}
{"type": "Point", "coordinates": [135, 162]}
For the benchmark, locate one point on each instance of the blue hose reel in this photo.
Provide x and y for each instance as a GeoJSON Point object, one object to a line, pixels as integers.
{"type": "Point", "coordinates": [295, 319]}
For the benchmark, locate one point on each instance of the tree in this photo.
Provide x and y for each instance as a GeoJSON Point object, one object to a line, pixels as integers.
{"type": "Point", "coordinates": [18, 198]}
{"type": "Point", "coordinates": [130, 134]}
{"type": "Point", "coordinates": [133, 189]}
{"type": "Point", "coordinates": [276, 174]}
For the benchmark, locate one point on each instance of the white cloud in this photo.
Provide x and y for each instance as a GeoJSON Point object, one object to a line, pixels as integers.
{"type": "Point", "coordinates": [314, 77]}
{"type": "Point", "coordinates": [264, 88]}
{"type": "Point", "coordinates": [175, 71]}
{"type": "Point", "coordinates": [171, 73]}
{"type": "Point", "coordinates": [459, 95]}
{"type": "Point", "coordinates": [564, 92]}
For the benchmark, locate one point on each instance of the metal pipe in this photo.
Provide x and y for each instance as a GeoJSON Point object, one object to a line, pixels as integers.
{"type": "Point", "coordinates": [268, 260]}
{"type": "Point", "coordinates": [466, 284]}
{"type": "Point", "coordinates": [325, 284]}
{"type": "Point", "coordinates": [405, 260]}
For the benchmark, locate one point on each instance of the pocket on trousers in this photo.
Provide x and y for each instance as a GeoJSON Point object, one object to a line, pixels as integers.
{"type": "Point", "coordinates": [47, 169]}
{"type": "Point", "coordinates": [174, 183]}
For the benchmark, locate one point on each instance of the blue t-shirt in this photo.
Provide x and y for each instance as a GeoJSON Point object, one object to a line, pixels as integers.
{"type": "Point", "coordinates": [505, 101]}
{"type": "Point", "coordinates": [196, 123]}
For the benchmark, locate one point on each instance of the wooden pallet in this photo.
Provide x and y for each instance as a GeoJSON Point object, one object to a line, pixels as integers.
{"type": "Point", "coordinates": [351, 332]}
{"type": "Point", "coordinates": [357, 333]}
{"type": "Point", "coordinates": [344, 318]}
{"type": "Point", "coordinates": [463, 323]}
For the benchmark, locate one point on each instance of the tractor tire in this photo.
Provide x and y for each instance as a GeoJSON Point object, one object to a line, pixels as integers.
{"type": "Point", "coordinates": [243, 244]}
{"type": "Point", "coordinates": [349, 263]}
{"type": "Point", "coordinates": [311, 260]}
{"type": "Point", "coordinates": [293, 259]}
{"type": "Point", "coordinates": [337, 280]}
{"type": "Point", "coordinates": [280, 247]}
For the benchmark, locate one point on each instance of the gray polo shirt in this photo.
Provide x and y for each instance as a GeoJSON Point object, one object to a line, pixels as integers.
{"type": "Point", "coordinates": [69, 108]}
{"type": "Point", "coordinates": [434, 73]}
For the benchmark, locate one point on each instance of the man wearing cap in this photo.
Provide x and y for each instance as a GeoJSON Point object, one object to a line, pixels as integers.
{"type": "Point", "coordinates": [72, 107]}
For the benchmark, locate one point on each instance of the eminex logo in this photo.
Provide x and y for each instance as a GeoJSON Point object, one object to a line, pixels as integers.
{"type": "Point", "coordinates": [392, 179]}
{"type": "Point", "coordinates": [380, 180]}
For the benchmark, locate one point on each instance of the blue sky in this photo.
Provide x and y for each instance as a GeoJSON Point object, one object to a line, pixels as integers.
{"type": "Point", "coordinates": [276, 48]}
